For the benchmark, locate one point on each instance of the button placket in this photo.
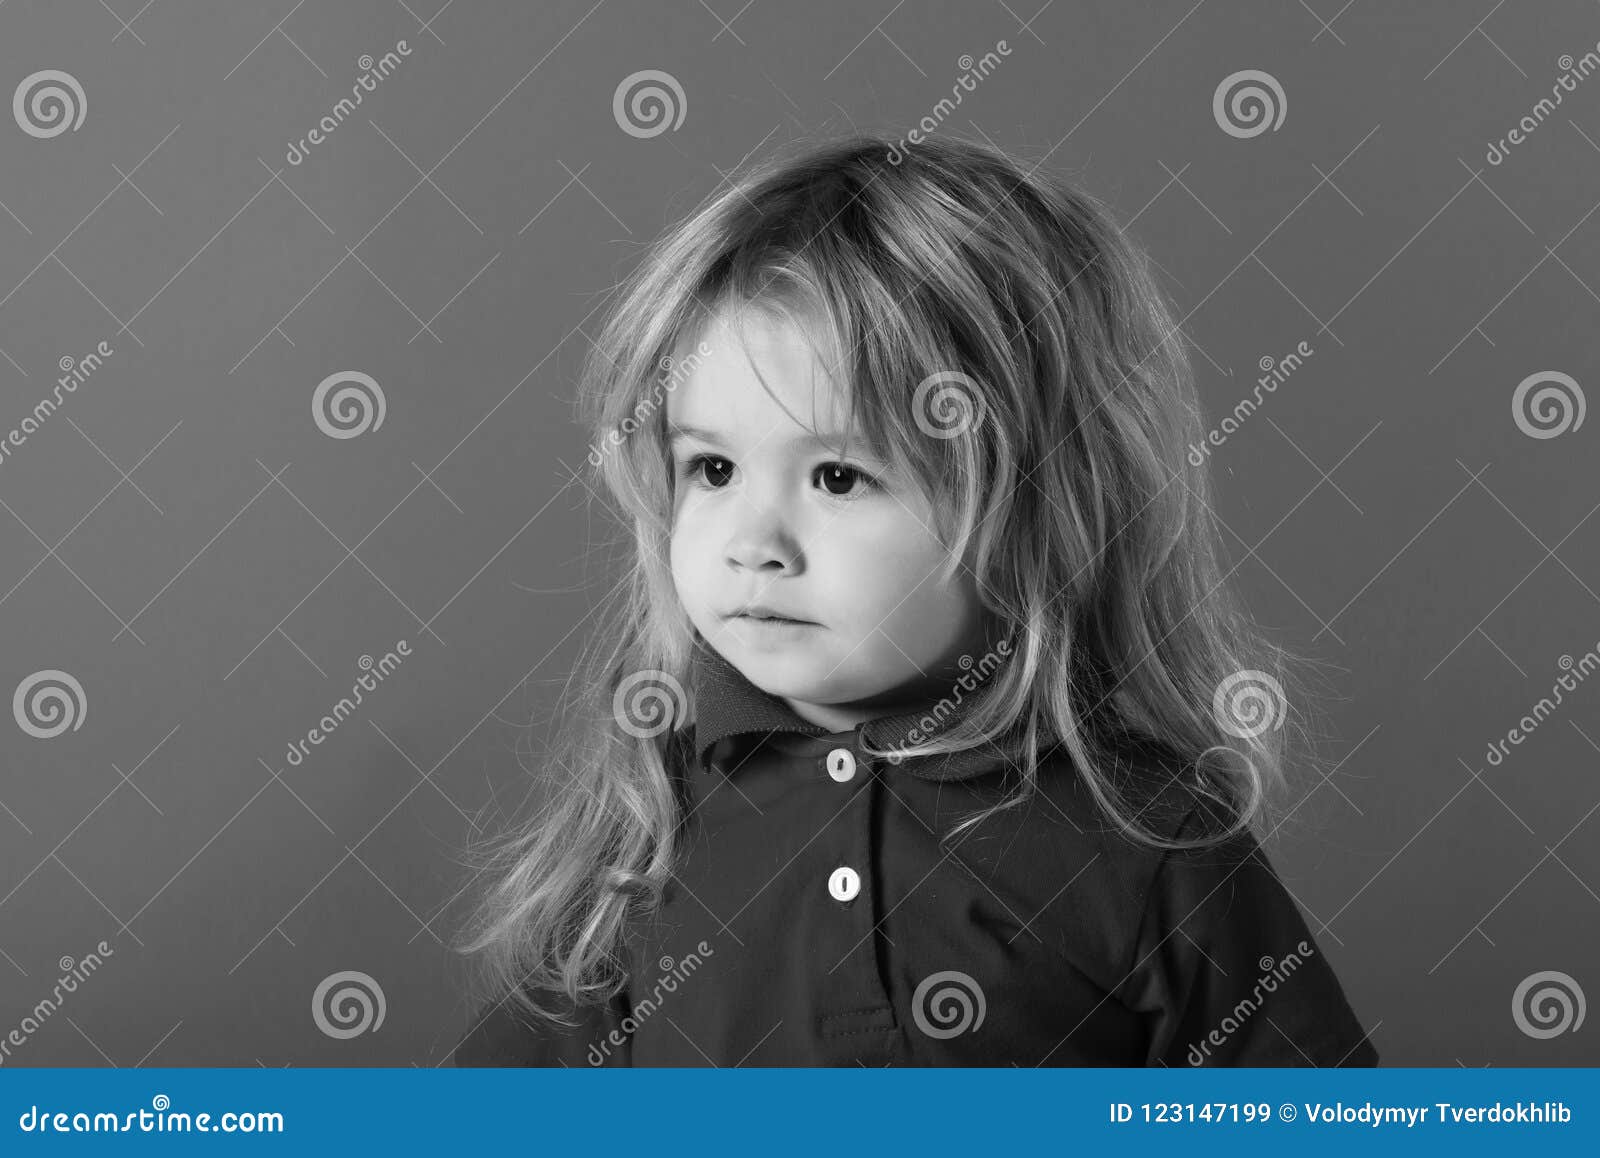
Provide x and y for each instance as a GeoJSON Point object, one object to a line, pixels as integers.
{"type": "Point", "coordinates": [844, 883]}
{"type": "Point", "coordinates": [858, 1017]}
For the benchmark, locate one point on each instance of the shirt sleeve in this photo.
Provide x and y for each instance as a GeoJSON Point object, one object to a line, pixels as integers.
{"type": "Point", "coordinates": [1227, 971]}
{"type": "Point", "coordinates": [503, 1035]}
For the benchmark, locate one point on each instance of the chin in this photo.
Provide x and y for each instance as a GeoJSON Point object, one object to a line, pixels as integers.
{"type": "Point", "coordinates": [777, 674]}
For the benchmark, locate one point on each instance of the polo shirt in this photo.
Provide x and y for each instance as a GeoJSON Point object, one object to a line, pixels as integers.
{"type": "Point", "coordinates": [816, 918]}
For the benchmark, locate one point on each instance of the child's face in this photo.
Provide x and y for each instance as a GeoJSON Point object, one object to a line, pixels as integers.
{"type": "Point", "coordinates": [766, 516]}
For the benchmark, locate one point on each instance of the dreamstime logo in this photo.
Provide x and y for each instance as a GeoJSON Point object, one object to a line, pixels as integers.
{"type": "Point", "coordinates": [649, 702]}
{"type": "Point", "coordinates": [947, 404]}
{"type": "Point", "coordinates": [1547, 404]}
{"type": "Point", "coordinates": [351, 998]}
{"type": "Point", "coordinates": [972, 71]}
{"type": "Point", "coordinates": [372, 71]}
{"type": "Point", "coordinates": [348, 403]}
{"type": "Point", "coordinates": [673, 972]}
{"type": "Point", "coordinates": [977, 672]}
{"type": "Point", "coordinates": [74, 373]}
{"type": "Point", "coordinates": [1248, 103]}
{"type": "Point", "coordinates": [674, 374]}
{"type": "Point", "coordinates": [648, 103]}
{"type": "Point", "coordinates": [1272, 974]}
{"type": "Point", "coordinates": [48, 103]}
{"type": "Point", "coordinates": [48, 703]}
{"type": "Point", "coordinates": [1249, 703]}
{"type": "Point", "coordinates": [1501, 149]}
{"type": "Point", "coordinates": [1275, 372]}
{"type": "Point", "coordinates": [1545, 708]}
{"type": "Point", "coordinates": [73, 974]}
{"type": "Point", "coordinates": [952, 999]}
{"type": "Point", "coordinates": [1553, 999]}
{"type": "Point", "coordinates": [375, 673]}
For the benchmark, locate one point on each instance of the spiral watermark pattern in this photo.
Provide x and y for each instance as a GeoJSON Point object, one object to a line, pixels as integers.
{"type": "Point", "coordinates": [48, 703]}
{"type": "Point", "coordinates": [951, 999]}
{"type": "Point", "coordinates": [947, 404]}
{"type": "Point", "coordinates": [649, 702]}
{"type": "Point", "coordinates": [48, 103]}
{"type": "Point", "coordinates": [1248, 103]}
{"type": "Point", "coordinates": [352, 999]}
{"type": "Point", "coordinates": [648, 103]}
{"type": "Point", "coordinates": [356, 405]}
{"type": "Point", "coordinates": [1551, 998]}
{"type": "Point", "coordinates": [1547, 404]}
{"type": "Point", "coordinates": [1249, 703]}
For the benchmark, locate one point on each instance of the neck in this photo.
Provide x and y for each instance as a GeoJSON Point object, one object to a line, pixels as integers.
{"type": "Point", "coordinates": [916, 696]}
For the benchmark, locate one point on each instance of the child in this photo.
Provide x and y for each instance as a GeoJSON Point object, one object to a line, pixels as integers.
{"type": "Point", "coordinates": [924, 731]}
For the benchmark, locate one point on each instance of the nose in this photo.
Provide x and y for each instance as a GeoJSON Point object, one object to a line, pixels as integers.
{"type": "Point", "coordinates": [762, 541]}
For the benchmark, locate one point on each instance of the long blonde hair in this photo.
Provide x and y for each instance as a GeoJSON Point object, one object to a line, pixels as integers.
{"type": "Point", "coordinates": [1096, 547]}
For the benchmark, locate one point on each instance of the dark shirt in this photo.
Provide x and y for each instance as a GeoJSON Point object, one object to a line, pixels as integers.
{"type": "Point", "coordinates": [815, 919]}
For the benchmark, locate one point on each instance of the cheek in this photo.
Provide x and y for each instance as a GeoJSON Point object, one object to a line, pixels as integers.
{"type": "Point", "coordinates": [894, 551]}
{"type": "Point", "coordinates": [686, 550]}
{"type": "Point", "coordinates": [916, 610]}
{"type": "Point", "coordinates": [678, 552]}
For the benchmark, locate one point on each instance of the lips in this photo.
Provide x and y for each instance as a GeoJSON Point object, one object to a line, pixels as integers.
{"type": "Point", "coordinates": [766, 613]}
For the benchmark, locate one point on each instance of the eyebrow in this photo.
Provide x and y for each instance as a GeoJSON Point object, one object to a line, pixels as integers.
{"type": "Point", "coordinates": [678, 431]}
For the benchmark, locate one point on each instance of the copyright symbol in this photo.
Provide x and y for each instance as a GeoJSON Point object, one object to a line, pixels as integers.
{"type": "Point", "coordinates": [1286, 1112]}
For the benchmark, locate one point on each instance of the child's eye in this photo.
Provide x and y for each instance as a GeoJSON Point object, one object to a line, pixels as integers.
{"type": "Point", "coordinates": [692, 468]}
{"type": "Point", "coordinates": [837, 474]}
{"type": "Point", "coordinates": [838, 479]}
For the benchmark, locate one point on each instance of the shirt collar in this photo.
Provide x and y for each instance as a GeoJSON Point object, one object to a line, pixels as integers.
{"type": "Point", "coordinates": [727, 704]}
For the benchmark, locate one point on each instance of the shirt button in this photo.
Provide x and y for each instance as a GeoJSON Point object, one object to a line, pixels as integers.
{"type": "Point", "coordinates": [841, 764]}
{"type": "Point", "coordinates": [844, 884]}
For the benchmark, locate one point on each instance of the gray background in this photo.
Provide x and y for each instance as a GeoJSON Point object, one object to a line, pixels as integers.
{"type": "Point", "coordinates": [184, 540]}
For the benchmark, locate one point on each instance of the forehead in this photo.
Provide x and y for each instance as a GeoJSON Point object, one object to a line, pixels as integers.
{"type": "Point", "coordinates": [763, 375]}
